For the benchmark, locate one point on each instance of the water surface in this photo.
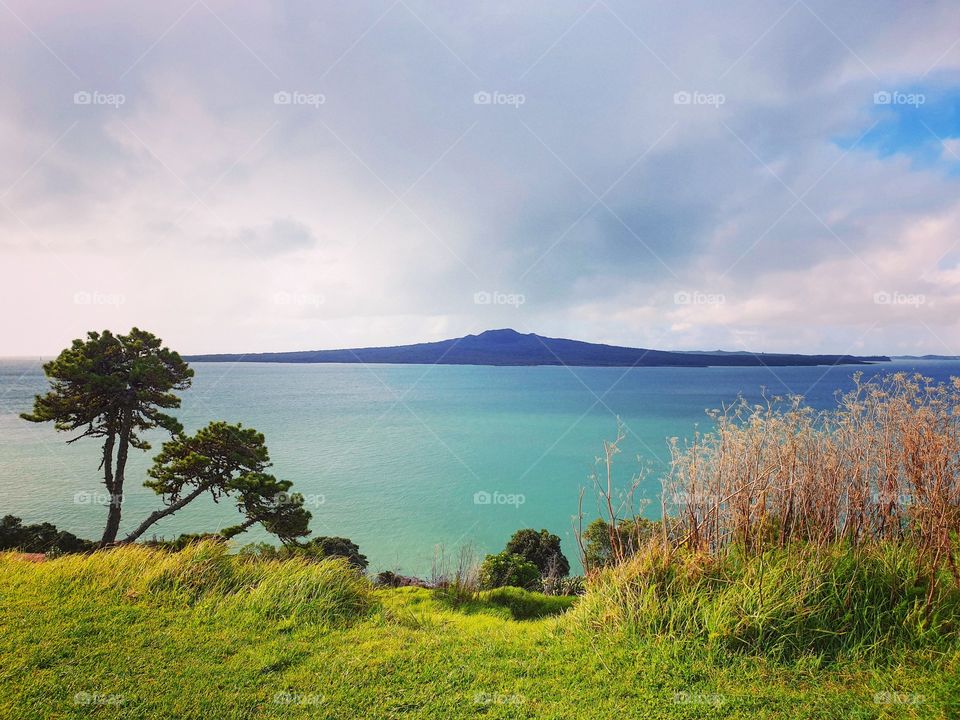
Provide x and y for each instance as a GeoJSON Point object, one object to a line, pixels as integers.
{"type": "Point", "coordinates": [396, 457]}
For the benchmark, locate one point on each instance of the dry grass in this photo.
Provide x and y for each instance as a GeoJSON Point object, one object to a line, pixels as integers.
{"type": "Point", "coordinates": [883, 466]}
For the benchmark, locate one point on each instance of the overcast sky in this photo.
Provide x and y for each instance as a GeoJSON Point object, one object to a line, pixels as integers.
{"type": "Point", "coordinates": [779, 176]}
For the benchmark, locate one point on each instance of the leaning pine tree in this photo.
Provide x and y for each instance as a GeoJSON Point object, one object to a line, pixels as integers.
{"type": "Point", "coordinates": [113, 387]}
{"type": "Point", "coordinates": [225, 461]}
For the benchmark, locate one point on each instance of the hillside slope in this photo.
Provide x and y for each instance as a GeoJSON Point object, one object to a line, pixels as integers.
{"type": "Point", "coordinates": [132, 634]}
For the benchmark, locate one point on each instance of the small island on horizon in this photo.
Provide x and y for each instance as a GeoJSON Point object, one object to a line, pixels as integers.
{"type": "Point", "coordinates": [507, 347]}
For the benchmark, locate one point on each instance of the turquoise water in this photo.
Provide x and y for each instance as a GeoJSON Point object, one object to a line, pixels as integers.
{"type": "Point", "coordinates": [393, 456]}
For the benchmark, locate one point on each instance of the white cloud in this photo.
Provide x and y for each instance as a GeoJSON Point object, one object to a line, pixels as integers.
{"type": "Point", "coordinates": [398, 198]}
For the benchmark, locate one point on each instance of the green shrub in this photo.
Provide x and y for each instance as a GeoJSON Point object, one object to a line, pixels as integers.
{"type": "Point", "coordinates": [634, 533]}
{"type": "Point", "coordinates": [508, 569]}
{"type": "Point", "coordinates": [542, 549]}
{"type": "Point", "coordinates": [41, 538]}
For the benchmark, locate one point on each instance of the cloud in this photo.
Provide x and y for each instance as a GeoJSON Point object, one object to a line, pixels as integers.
{"type": "Point", "coordinates": [658, 148]}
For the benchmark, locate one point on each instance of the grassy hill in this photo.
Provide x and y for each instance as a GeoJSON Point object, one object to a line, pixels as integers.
{"type": "Point", "coordinates": [139, 633]}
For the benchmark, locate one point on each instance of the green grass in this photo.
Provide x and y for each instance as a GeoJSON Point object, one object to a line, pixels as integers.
{"type": "Point", "coordinates": [142, 634]}
{"type": "Point", "coordinates": [790, 602]}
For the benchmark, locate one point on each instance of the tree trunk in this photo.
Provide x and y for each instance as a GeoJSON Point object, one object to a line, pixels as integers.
{"type": "Point", "coordinates": [160, 514]}
{"type": "Point", "coordinates": [115, 488]}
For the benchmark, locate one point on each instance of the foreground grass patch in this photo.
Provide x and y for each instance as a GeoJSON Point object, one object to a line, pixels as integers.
{"type": "Point", "coordinates": [76, 642]}
{"type": "Point", "coordinates": [801, 601]}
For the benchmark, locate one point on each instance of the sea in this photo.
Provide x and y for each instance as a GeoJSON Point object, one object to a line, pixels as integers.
{"type": "Point", "coordinates": [411, 462]}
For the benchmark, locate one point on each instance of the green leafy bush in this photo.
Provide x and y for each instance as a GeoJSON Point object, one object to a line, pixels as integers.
{"type": "Point", "coordinates": [542, 549]}
{"type": "Point", "coordinates": [41, 538]}
{"type": "Point", "coordinates": [508, 569]}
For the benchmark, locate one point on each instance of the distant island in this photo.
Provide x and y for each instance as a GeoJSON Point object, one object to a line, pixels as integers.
{"type": "Point", "coordinates": [508, 347]}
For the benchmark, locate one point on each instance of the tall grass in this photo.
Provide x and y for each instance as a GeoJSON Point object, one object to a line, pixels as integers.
{"type": "Point", "coordinates": [786, 530]}
{"type": "Point", "coordinates": [883, 466]}
{"type": "Point", "coordinates": [204, 575]}
{"type": "Point", "coordinates": [781, 602]}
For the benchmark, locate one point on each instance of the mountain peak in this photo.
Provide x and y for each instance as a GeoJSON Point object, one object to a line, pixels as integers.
{"type": "Point", "coordinates": [500, 334]}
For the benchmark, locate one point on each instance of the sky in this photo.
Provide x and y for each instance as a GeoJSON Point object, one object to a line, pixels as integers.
{"type": "Point", "coordinates": [241, 177]}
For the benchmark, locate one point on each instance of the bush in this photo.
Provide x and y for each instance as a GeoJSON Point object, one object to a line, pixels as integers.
{"type": "Point", "coordinates": [542, 549]}
{"type": "Point", "coordinates": [334, 547]}
{"type": "Point", "coordinates": [634, 533]}
{"type": "Point", "coordinates": [42, 538]}
{"type": "Point", "coordinates": [508, 569]}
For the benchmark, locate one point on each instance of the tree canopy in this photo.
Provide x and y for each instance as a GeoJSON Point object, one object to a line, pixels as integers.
{"type": "Point", "coordinates": [117, 387]}
{"type": "Point", "coordinates": [225, 460]}
{"type": "Point", "coordinates": [113, 387]}
{"type": "Point", "coordinates": [542, 549]}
